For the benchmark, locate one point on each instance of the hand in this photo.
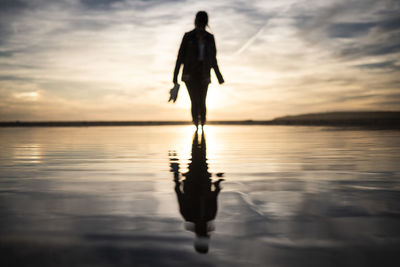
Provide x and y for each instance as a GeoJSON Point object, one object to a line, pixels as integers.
{"type": "Point", "coordinates": [217, 184]}
{"type": "Point", "coordinates": [219, 76]}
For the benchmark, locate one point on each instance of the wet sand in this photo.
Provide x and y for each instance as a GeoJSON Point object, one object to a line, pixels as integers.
{"type": "Point", "coordinates": [291, 196]}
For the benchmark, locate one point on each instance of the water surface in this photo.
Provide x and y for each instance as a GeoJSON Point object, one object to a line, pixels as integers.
{"type": "Point", "coordinates": [255, 196]}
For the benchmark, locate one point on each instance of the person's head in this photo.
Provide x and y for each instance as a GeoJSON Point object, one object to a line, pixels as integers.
{"type": "Point", "coordinates": [201, 20]}
{"type": "Point", "coordinates": [201, 244]}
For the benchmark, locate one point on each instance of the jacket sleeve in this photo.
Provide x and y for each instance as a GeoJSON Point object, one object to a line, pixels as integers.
{"type": "Point", "coordinates": [214, 63]}
{"type": "Point", "coordinates": [179, 60]}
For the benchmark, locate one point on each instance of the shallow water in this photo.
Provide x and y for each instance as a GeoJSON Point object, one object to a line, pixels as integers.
{"type": "Point", "coordinates": [135, 196]}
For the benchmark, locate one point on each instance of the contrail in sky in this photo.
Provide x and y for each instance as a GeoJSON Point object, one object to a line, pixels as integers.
{"type": "Point", "coordinates": [249, 41]}
{"type": "Point", "coordinates": [258, 33]}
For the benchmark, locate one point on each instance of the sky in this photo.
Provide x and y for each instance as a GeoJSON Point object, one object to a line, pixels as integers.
{"type": "Point", "coordinates": [114, 59]}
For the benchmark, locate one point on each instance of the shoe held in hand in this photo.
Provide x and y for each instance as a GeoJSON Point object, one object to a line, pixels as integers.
{"type": "Point", "coordinates": [173, 93]}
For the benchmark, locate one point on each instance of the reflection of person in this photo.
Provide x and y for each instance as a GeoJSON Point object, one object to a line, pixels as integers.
{"type": "Point", "coordinates": [197, 200]}
{"type": "Point", "coordinates": [197, 53]}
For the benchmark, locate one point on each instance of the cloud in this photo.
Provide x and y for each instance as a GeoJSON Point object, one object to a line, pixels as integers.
{"type": "Point", "coordinates": [384, 65]}
{"type": "Point", "coordinates": [346, 30]}
{"type": "Point", "coordinates": [103, 4]}
{"type": "Point", "coordinates": [8, 6]}
{"type": "Point", "coordinates": [376, 49]}
{"type": "Point", "coordinates": [31, 96]}
{"type": "Point", "coordinates": [13, 78]}
{"type": "Point", "coordinates": [6, 53]}
{"type": "Point", "coordinates": [370, 27]}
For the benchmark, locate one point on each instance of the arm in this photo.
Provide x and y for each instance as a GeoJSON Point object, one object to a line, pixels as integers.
{"type": "Point", "coordinates": [217, 186]}
{"type": "Point", "coordinates": [179, 60]}
{"type": "Point", "coordinates": [214, 63]}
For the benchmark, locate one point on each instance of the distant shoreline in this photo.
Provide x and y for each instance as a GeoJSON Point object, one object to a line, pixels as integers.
{"type": "Point", "coordinates": [373, 119]}
{"type": "Point", "coordinates": [365, 124]}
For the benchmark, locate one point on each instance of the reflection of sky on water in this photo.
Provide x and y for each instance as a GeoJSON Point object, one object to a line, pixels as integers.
{"type": "Point", "coordinates": [29, 153]}
{"type": "Point", "coordinates": [289, 192]}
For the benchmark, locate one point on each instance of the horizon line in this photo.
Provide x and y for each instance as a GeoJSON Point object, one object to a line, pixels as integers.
{"type": "Point", "coordinates": [389, 119]}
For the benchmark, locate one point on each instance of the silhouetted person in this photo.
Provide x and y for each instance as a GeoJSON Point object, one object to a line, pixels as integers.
{"type": "Point", "coordinates": [197, 200]}
{"type": "Point", "coordinates": [197, 53]}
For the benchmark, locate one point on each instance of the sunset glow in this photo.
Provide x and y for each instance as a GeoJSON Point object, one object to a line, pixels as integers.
{"type": "Point", "coordinates": [113, 59]}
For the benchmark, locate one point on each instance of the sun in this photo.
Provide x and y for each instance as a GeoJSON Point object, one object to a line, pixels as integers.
{"type": "Point", "coordinates": [215, 97]}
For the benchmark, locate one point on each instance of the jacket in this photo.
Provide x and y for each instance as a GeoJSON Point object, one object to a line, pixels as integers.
{"type": "Point", "coordinates": [188, 55]}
